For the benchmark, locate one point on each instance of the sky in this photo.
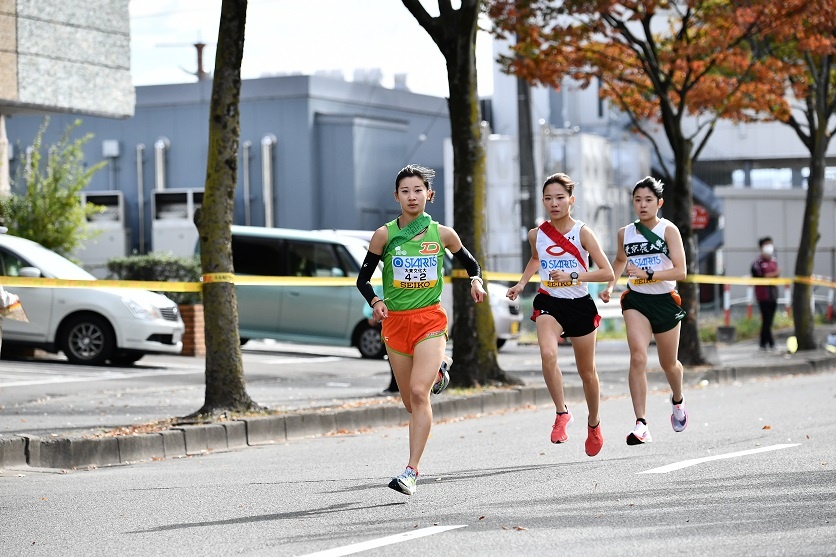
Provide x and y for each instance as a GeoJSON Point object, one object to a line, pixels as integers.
{"type": "Point", "coordinates": [296, 37]}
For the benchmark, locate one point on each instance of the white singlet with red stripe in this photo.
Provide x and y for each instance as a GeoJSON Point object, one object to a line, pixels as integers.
{"type": "Point", "coordinates": [553, 257]}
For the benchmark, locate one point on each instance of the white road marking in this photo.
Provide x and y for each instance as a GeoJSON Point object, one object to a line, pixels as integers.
{"type": "Point", "coordinates": [322, 360]}
{"type": "Point", "coordinates": [68, 373]}
{"type": "Point", "coordinates": [106, 376]}
{"type": "Point", "coordinates": [381, 542]}
{"type": "Point", "coordinates": [695, 461]}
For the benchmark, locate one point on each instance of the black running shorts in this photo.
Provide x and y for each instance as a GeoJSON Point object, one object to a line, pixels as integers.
{"type": "Point", "coordinates": [577, 316]}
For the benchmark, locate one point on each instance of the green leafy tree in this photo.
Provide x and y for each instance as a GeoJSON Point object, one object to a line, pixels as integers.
{"type": "Point", "coordinates": [474, 334]}
{"type": "Point", "coordinates": [225, 388]}
{"type": "Point", "coordinates": [44, 205]}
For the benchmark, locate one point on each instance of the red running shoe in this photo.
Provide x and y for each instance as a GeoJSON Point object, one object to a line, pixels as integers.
{"type": "Point", "coordinates": [594, 440]}
{"type": "Point", "coordinates": [561, 422]}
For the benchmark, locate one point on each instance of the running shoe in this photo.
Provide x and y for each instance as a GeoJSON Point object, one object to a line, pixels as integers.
{"type": "Point", "coordinates": [639, 435]}
{"type": "Point", "coordinates": [561, 422]}
{"type": "Point", "coordinates": [406, 482]}
{"type": "Point", "coordinates": [594, 440]}
{"type": "Point", "coordinates": [443, 378]}
{"type": "Point", "coordinates": [679, 416]}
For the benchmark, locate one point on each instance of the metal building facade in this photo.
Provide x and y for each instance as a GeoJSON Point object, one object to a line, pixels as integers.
{"type": "Point", "coordinates": [315, 151]}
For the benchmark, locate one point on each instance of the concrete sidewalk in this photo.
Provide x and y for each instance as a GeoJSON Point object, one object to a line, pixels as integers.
{"type": "Point", "coordinates": [361, 410]}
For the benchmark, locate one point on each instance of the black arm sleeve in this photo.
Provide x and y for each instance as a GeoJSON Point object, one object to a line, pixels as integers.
{"type": "Point", "coordinates": [468, 262]}
{"type": "Point", "coordinates": [366, 271]}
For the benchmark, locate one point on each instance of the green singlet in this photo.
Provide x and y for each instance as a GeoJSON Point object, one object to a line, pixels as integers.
{"type": "Point", "coordinates": [413, 271]}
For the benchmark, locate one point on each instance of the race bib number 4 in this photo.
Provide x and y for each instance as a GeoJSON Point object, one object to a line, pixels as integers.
{"type": "Point", "coordinates": [415, 272]}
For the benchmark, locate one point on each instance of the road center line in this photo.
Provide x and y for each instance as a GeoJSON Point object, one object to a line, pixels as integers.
{"type": "Point", "coordinates": [381, 542]}
{"type": "Point", "coordinates": [695, 461]}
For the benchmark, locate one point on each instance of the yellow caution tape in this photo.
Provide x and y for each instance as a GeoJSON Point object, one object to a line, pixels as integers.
{"type": "Point", "coordinates": [160, 286]}
{"type": "Point", "coordinates": [249, 280]}
{"type": "Point", "coordinates": [218, 277]}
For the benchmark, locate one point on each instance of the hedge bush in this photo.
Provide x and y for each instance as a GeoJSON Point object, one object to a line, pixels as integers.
{"type": "Point", "coordinates": [159, 267]}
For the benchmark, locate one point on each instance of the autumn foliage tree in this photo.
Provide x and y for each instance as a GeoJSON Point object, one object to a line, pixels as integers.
{"type": "Point", "coordinates": [658, 62]}
{"type": "Point", "coordinates": [806, 47]}
{"type": "Point", "coordinates": [454, 32]}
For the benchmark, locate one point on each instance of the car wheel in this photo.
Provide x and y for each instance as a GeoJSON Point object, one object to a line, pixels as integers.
{"type": "Point", "coordinates": [88, 340]}
{"type": "Point", "coordinates": [126, 358]}
{"type": "Point", "coordinates": [369, 342]}
{"type": "Point", "coordinates": [500, 342]}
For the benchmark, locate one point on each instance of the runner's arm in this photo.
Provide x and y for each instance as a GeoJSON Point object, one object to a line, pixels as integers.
{"type": "Point", "coordinates": [364, 277]}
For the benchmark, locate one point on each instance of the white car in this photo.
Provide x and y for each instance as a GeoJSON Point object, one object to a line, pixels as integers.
{"type": "Point", "coordinates": [506, 313]}
{"type": "Point", "coordinates": [90, 325]}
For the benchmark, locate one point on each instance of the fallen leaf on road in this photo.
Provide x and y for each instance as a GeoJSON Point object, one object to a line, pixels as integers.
{"type": "Point", "coordinates": [767, 427]}
{"type": "Point", "coordinates": [519, 528]}
{"type": "Point", "coordinates": [482, 517]}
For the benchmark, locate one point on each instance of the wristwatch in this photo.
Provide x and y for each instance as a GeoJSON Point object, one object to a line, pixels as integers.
{"type": "Point", "coordinates": [649, 274]}
{"type": "Point", "coordinates": [574, 276]}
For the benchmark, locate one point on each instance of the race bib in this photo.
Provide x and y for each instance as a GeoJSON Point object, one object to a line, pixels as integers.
{"type": "Point", "coordinates": [414, 272]}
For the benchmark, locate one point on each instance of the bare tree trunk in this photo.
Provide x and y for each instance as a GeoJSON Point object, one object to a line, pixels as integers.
{"type": "Point", "coordinates": [804, 262]}
{"type": "Point", "coordinates": [820, 106]}
{"type": "Point", "coordinates": [225, 389]}
{"type": "Point", "coordinates": [690, 350]}
{"type": "Point", "coordinates": [474, 335]}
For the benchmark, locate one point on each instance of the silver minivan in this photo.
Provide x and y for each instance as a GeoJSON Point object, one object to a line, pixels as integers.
{"type": "Point", "coordinates": [506, 313]}
{"type": "Point", "coordinates": [306, 314]}
{"type": "Point", "coordinates": [320, 314]}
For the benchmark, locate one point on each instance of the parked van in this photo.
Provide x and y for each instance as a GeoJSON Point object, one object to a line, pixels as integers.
{"type": "Point", "coordinates": [307, 314]}
{"type": "Point", "coordinates": [506, 313]}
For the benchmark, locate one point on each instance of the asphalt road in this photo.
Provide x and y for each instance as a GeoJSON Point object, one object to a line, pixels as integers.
{"type": "Point", "coordinates": [50, 396]}
{"type": "Point", "coordinates": [752, 475]}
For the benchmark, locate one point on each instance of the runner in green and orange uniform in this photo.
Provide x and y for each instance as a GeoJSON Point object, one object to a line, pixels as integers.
{"type": "Point", "coordinates": [414, 323]}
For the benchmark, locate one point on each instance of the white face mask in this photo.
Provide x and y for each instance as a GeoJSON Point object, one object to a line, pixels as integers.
{"type": "Point", "coordinates": [768, 250]}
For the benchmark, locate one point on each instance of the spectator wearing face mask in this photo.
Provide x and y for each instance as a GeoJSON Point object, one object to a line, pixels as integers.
{"type": "Point", "coordinates": [765, 266]}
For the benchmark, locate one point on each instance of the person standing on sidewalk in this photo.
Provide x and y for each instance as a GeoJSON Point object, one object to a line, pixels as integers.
{"type": "Point", "coordinates": [414, 323]}
{"type": "Point", "coordinates": [651, 251]}
{"type": "Point", "coordinates": [765, 266]}
{"type": "Point", "coordinates": [560, 250]}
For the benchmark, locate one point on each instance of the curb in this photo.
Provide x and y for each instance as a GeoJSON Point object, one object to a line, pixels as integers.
{"type": "Point", "coordinates": [191, 440]}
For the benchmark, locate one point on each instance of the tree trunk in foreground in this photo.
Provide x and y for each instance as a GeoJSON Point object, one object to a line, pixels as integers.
{"type": "Point", "coordinates": [225, 388]}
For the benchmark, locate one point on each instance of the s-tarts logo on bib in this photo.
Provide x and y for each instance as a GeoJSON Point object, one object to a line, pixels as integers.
{"type": "Point", "coordinates": [417, 272]}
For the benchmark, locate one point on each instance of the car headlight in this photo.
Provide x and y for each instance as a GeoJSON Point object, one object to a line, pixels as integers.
{"type": "Point", "coordinates": [142, 310]}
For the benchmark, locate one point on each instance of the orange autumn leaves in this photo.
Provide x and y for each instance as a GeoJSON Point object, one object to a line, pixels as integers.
{"type": "Point", "coordinates": [652, 57]}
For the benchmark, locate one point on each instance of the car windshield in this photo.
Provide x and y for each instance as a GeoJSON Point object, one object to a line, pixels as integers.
{"type": "Point", "coordinates": [53, 265]}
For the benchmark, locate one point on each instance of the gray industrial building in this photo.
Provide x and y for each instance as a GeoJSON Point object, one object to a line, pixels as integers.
{"type": "Point", "coordinates": [315, 152]}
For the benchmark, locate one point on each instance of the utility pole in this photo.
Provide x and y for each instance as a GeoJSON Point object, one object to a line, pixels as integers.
{"type": "Point", "coordinates": [528, 195]}
{"type": "Point", "coordinates": [201, 74]}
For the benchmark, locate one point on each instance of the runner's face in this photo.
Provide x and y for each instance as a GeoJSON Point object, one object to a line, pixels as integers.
{"type": "Point", "coordinates": [557, 201]}
{"type": "Point", "coordinates": [412, 195]}
{"type": "Point", "coordinates": [646, 204]}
